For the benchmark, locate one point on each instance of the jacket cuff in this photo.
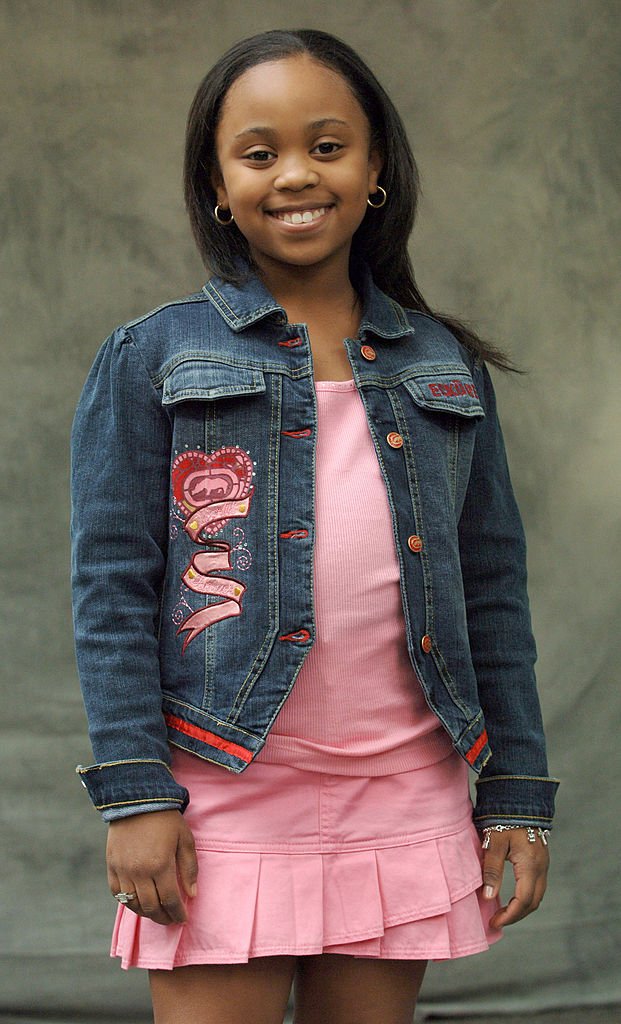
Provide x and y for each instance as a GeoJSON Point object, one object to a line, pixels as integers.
{"type": "Point", "coordinates": [119, 788]}
{"type": "Point", "coordinates": [515, 800]}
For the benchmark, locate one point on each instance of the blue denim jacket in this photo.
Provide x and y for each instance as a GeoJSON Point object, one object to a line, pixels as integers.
{"type": "Point", "coordinates": [193, 530]}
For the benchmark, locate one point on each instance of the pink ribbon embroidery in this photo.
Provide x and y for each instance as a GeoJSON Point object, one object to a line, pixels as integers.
{"type": "Point", "coordinates": [210, 490]}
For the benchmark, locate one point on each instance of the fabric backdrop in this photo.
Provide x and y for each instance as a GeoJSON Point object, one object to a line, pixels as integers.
{"type": "Point", "coordinates": [513, 109]}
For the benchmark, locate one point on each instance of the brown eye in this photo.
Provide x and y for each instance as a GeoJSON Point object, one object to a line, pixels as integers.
{"type": "Point", "coordinates": [259, 156]}
{"type": "Point", "coordinates": [328, 148]}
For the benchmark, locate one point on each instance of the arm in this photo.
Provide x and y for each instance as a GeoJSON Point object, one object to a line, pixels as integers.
{"type": "Point", "coordinates": [514, 786]}
{"type": "Point", "coordinates": [120, 471]}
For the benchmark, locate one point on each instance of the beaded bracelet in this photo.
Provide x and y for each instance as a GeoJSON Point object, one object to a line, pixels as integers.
{"type": "Point", "coordinates": [531, 832]}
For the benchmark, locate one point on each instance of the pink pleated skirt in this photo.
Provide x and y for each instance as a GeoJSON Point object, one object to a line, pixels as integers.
{"type": "Point", "coordinates": [297, 862]}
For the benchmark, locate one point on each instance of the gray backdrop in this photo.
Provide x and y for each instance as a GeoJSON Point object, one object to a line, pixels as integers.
{"type": "Point", "coordinates": [513, 109]}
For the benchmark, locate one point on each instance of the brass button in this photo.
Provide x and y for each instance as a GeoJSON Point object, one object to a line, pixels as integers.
{"type": "Point", "coordinates": [415, 543]}
{"type": "Point", "coordinates": [394, 440]}
{"type": "Point", "coordinates": [426, 644]}
{"type": "Point", "coordinates": [368, 352]}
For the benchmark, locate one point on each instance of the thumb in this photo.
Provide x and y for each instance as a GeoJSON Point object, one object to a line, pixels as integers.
{"type": "Point", "coordinates": [187, 863]}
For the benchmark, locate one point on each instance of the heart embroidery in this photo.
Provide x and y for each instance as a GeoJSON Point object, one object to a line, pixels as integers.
{"type": "Point", "coordinates": [200, 479]}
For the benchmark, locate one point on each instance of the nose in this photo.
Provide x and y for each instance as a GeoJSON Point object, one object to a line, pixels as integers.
{"type": "Point", "coordinates": [296, 173]}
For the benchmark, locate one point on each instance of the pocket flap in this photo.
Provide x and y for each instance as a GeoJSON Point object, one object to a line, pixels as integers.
{"type": "Point", "coordinates": [449, 389]}
{"type": "Point", "coordinates": [206, 380]}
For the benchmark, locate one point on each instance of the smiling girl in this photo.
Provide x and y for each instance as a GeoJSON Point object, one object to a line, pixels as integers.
{"type": "Point", "coordinates": [300, 587]}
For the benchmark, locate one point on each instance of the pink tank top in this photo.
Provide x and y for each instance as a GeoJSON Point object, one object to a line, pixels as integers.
{"type": "Point", "coordinates": [357, 707]}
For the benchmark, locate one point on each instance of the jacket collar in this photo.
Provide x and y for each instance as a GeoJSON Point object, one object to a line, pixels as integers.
{"type": "Point", "coordinates": [245, 304]}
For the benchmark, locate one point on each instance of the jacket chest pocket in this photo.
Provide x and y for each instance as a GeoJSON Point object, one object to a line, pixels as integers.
{"type": "Point", "coordinates": [446, 411]}
{"type": "Point", "coordinates": [450, 389]}
{"type": "Point", "coordinates": [206, 380]}
{"type": "Point", "coordinates": [214, 403]}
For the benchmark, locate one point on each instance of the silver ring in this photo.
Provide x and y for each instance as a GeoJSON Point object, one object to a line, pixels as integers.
{"type": "Point", "coordinates": [124, 897]}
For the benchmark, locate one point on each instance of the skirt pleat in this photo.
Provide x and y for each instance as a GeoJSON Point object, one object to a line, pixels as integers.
{"type": "Point", "coordinates": [316, 878]}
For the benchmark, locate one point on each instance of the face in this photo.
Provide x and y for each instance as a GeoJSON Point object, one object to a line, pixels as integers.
{"type": "Point", "coordinates": [295, 165]}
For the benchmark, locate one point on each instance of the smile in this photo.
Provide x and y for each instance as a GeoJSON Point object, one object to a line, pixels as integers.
{"type": "Point", "coordinates": [299, 216]}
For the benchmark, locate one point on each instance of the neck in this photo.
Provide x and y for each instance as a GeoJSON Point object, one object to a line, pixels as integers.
{"type": "Point", "coordinates": [306, 291]}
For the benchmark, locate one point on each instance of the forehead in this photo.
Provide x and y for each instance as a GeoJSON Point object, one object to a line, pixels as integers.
{"type": "Point", "coordinates": [289, 91]}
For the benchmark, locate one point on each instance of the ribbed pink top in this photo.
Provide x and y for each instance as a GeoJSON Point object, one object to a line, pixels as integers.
{"type": "Point", "coordinates": [356, 707]}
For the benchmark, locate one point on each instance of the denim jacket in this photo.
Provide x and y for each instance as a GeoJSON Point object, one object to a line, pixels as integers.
{"type": "Point", "coordinates": [193, 519]}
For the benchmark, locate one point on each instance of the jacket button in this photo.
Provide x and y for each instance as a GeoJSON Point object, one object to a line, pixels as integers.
{"type": "Point", "coordinates": [368, 352]}
{"type": "Point", "coordinates": [415, 543]}
{"type": "Point", "coordinates": [426, 644]}
{"type": "Point", "coordinates": [394, 440]}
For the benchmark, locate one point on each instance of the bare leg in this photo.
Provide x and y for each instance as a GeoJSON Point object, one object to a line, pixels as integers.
{"type": "Point", "coordinates": [224, 993]}
{"type": "Point", "coordinates": [344, 989]}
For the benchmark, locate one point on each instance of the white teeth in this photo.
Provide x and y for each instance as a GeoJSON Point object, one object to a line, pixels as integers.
{"type": "Point", "coordinates": [303, 217]}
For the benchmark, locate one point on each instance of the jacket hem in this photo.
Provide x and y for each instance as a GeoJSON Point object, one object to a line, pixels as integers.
{"type": "Point", "coordinates": [209, 738]}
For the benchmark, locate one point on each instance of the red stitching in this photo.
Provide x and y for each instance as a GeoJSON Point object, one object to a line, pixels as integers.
{"type": "Point", "coordinates": [476, 748]}
{"type": "Point", "coordinates": [297, 433]}
{"type": "Point", "coordinates": [208, 737]}
{"type": "Point", "coordinates": [291, 342]}
{"type": "Point", "coordinates": [296, 638]}
{"type": "Point", "coordinates": [290, 534]}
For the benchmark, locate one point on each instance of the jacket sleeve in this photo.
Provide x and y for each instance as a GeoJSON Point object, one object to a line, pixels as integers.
{"type": "Point", "coordinates": [120, 455]}
{"type": "Point", "coordinates": [514, 786]}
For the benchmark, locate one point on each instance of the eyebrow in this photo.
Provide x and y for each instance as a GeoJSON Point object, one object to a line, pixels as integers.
{"type": "Point", "coordinates": [315, 126]}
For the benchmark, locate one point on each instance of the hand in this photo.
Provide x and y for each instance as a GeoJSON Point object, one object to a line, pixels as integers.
{"type": "Point", "coordinates": [530, 869]}
{"type": "Point", "coordinates": [150, 854]}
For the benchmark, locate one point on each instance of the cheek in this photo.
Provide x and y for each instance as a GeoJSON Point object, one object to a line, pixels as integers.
{"type": "Point", "coordinates": [245, 191]}
{"type": "Point", "coordinates": [362, 182]}
{"type": "Point", "coordinates": [233, 174]}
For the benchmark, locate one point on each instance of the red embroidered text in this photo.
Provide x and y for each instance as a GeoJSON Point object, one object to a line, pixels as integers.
{"type": "Point", "coordinates": [453, 390]}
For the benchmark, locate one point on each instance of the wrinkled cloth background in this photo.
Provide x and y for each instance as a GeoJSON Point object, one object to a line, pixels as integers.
{"type": "Point", "coordinates": [513, 109]}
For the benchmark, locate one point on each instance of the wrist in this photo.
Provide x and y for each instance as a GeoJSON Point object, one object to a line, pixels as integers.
{"type": "Point", "coordinates": [533, 832]}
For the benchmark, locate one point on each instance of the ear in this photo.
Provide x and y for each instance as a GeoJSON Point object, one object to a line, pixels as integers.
{"type": "Point", "coordinates": [375, 169]}
{"type": "Point", "coordinates": [217, 183]}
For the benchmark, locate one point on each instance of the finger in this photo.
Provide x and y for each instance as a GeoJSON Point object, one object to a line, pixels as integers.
{"type": "Point", "coordinates": [113, 880]}
{"type": "Point", "coordinates": [148, 903]}
{"type": "Point", "coordinates": [529, 889]}
{"type": "Point", "coordinates": [540, 890]}
{"type": "Point", "coordinates": [117, 887]}
{"type": "Point", "coordinates": [187, 863]}
{"type": "Point", "coordinates": [509, 914]}
{"type": "Point", "coordinates": [169, 898]}
{"type": "Point", "coordinates": [516, 909]}
{"type": "Point", "coordinates": [493, 866]}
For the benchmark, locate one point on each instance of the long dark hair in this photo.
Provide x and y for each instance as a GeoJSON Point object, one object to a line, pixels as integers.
{"type": "Point", "coordinates": [382, 238]}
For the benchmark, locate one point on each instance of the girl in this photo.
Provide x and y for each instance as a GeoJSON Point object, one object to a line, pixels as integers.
{"type": "Point", "coordinates": [299, 578]}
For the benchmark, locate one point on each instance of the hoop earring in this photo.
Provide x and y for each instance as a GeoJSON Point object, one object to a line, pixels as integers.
{"type": "Point", "coordinates": [377, 206]}
{"type": "Point", "coordinates": [216, 214]}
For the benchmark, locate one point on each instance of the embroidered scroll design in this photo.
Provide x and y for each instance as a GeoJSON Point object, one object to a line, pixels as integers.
{"type": "Point", "coordinates": [210, 489]}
